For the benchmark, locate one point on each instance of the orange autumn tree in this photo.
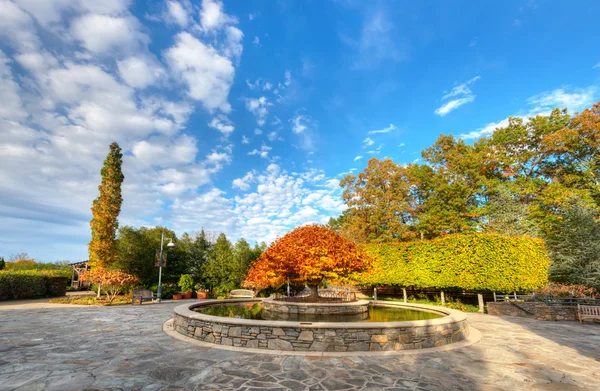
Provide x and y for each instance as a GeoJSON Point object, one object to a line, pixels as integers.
{"type": "Point", "coordinates": [307, 255]}
{"type": "Point", "coordinates": [111, 281]}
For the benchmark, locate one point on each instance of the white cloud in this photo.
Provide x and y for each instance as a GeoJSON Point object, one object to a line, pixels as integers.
{"type": "Point", "coordinates": [368, 142]}
{"type": "Point", "coordinates": [272, 136]}
{"type": "Point", "coordinates": [258, 107]}
{"type": "Point", "coordinates": [163, 153]}
{"type": "Point", "coordinates": [245, 140]}
{"type": "Point", "coordinates": [139, 72]}
{"type": "Point", "coordinates": [463, 95]}
{"type": "Point", "coordinates": [384, 130]}
{"type": "Point", "coordinates": [453, 105]}
{"type": "Point", "coordinates": [263, 152]}
{"type": "Point", "coordinates": [256, 41]}
{"type": "Point", "coordinates": [176, 13]}
{"type": "Point", "coordinates": [287, 78]}
{"type": "Point", "coordinates": [244, 183]}
{"type": "Point", "coordinates": [222, 124]}
{"type": "Point", "coordinates": [251, 17]}
{"type": "Point", "coordinates": [573, 99]}
{"type": "Point", "coordinates": [267, 86]}
{"type": "Point", "coordinates": [207, 74]}
{"type": "Point", "coordinates": [299, 123]}
{"type": "Point", "coordinates": [258, 132]}
{"type": "Point", "coordinates": [358, 158]}
{"type": "Point", "coordinates": [596, 66]}
{"type": "Point", "coordinates": [212, 16]}
{"type": "Point", "coordinates": [103, 33]}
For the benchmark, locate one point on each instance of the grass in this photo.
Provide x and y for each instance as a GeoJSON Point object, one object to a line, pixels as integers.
{"type": "Point", "coordinates": [119, 300]}
{"type": "Point", "coordinates": [452, 304]}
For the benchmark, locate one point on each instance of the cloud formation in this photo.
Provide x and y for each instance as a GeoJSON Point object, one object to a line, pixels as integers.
{"type": "Point", "coordinates": [461, 95]}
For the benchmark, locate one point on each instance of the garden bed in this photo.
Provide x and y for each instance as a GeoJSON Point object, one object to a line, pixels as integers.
{"type": "Point", "coordinates": [119, 300]}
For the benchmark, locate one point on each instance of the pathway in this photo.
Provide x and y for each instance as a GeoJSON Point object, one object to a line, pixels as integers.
{"type": "Point", "coordinates": [106, 348]}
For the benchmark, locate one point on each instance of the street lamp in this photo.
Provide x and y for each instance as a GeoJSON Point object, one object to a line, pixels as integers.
{"type": "Point", "coordinates": [160, 264]}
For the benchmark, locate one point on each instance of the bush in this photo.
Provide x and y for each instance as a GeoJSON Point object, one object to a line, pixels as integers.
{"type": "Point", "coordinates": [186, 283]}
{"type": "Point", "coordinates": [168, 290]}
{"type": "Point", "coordinates": [568, 290]}
{"type": "Point", "coordinates": [476, 262]}
{"type": "Point", "coordinates": [31, 283]}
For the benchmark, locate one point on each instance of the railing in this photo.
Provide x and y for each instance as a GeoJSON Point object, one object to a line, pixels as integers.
{"type": "Point", "coordinates": [547, 299]}
{"type": "Point", "coordinates": [333, 295]}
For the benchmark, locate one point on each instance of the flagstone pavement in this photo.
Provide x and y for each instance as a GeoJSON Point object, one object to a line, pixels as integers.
{"type": "Point", "coordinates": [54, 347]}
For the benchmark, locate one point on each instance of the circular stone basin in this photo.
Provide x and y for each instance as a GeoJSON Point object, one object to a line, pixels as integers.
{"type": "Point", "coordinates": [296, 307]}
{"type": "Point", "coordinates": [209, 321]}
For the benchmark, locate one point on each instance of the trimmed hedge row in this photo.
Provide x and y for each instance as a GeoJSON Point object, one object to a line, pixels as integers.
{"type": "Point", "coordinates": [478, 262]}
{"type": "Point", "coordinates": [32, 283]}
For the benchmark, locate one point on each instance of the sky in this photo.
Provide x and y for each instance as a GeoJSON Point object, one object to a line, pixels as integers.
{"type": "Point", "coordinates": [242, 116]}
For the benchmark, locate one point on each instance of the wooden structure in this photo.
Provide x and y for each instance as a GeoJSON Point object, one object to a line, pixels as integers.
{"type": "Point", "coordinates": [588, 312]}
{"type": "Point", "coordinates": [241, 294]}
{"type": "Point", "coordinates": [78, 268]}
{"type": "Point", "coordinates": [141, 295]}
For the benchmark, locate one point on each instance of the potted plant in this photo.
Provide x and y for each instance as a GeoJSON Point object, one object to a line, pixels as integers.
{"type": "Point", "coordinates": [201, 292]}
{"type": "Point", "coordinates": [186, 283]}
{"type": "Point", "coordinates": [177, 296]}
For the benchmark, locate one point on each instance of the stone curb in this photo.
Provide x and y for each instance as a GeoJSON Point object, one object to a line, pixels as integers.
{"type": "Point", "coordinates": [473, 337]}
{"type": "Point", "coordinates": [451, 316]}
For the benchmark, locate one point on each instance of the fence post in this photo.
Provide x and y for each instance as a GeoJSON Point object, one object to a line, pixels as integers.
{"type": "Point", "coordinates": [480, 302]}
{"type": "Point", "coordinates": [515, 293]}
{"type": "Point", "coordinates": [375, 293]}
{"type": "Point", "coordinates": [404, 293]}
{"type": "Point", "coordinates": [442, 296]}
{"type": "Point", "coordinates": [494, 296]}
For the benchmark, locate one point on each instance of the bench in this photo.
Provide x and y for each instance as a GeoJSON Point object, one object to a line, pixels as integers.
{"type": "Point", "coordinates": [241, 294]}
{"type": "Point", "coordinates": [141, 295]}
{"type": "Point", "coordinates": [588, 312]}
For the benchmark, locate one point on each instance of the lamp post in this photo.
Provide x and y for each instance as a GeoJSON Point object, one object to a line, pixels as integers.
{"type": "Point", "coordinates": [160, 264]}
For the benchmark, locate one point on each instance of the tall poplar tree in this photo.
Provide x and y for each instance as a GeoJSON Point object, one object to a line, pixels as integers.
{"type": "Point", "coordinates": [106, 208]}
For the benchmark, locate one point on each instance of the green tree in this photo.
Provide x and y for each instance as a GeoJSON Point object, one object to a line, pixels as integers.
{"type": "Point", "coordinates": [220, 267]}
{"type": "Point", "coordinates": [378, 200]}
{"type": "Point", "coordinates": [137, 249]}
{"type": "Point", "coordinates": [195, 249]}
{"type": "Point", "coordinates": [575, 246]}
{"type": "Point", "coordinates": [506, 216]}
{"type": "Point", "coordinates": [105, 210]}
{"type": "Point", "coordinates": [243, 258]}
{"type": "Point", "coordinates": [2, 263]}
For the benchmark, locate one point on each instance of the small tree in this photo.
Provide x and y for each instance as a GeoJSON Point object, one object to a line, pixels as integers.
{"type": "Point", "coordinates": [2, 263]}
{"type": "Point", "coordinates": [111, 281]}
{"type": "Point", "coordinates": [307, 255]}
{"type": "Point", "coordinates": [186, 283]}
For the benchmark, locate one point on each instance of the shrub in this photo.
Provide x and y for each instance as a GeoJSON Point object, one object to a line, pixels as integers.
{"type": "Point", "coordinates": [568, 290]}
{"type": "Point", "coordinates": [112, 282]}
{"type": "Point", "coordinates": [476, 262]}
{"type": "Point", "coordinates": [32, 283]}
{"type": "Point", "coordinates": [186, 283]}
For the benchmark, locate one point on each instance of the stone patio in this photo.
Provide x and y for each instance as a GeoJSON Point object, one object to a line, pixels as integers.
{"type": "Point", "coordinates": [106, 348]}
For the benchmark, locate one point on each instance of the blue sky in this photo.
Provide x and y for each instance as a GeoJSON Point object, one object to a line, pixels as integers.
{"type": "Point", "coordinates": [242, 116]}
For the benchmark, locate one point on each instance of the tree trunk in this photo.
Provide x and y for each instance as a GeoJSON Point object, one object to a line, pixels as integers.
{"type": "Point", "coordinates": [98, 295]}
{"type": "Point", "coordinates": [314, 290]}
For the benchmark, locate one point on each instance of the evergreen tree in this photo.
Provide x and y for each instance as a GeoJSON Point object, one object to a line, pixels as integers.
{"type": "Point", "coordinates": [220, 268]}
{"type": "Point", "coordinates": [106, 208]}
{"type": "Point", "coordinates": [2, 263]}
{"type": "Point", "coordinates": [575, 246]}
{"type": "Point", "coordinates": [195, 249]}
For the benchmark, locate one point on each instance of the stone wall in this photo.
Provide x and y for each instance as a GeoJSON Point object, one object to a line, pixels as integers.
{"type": "Point", "coordinates": [290, 307]}
{"type": "Point", "coordinates": [321, 337]}
{"type": "Point", "coordinates": [537, 310]}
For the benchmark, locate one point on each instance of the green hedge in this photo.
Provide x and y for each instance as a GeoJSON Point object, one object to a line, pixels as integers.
{"type": "Point", "coordinates": [479, 262]}
{"type": "Point", "coordinates": [32, 283]}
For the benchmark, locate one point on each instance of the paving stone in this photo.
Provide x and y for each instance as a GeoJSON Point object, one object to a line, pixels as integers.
{"type": "Point", "coordinates": [123, 347]}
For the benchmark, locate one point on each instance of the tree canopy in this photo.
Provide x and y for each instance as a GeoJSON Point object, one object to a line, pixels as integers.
{"type": "Point", "coordinates": [522, 179]}
{"type": "Point", "coordinates": [308, 254]}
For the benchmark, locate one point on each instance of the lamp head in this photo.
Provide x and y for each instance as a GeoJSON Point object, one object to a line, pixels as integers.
{"type": "Point", "coordinates": [171, 244]}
